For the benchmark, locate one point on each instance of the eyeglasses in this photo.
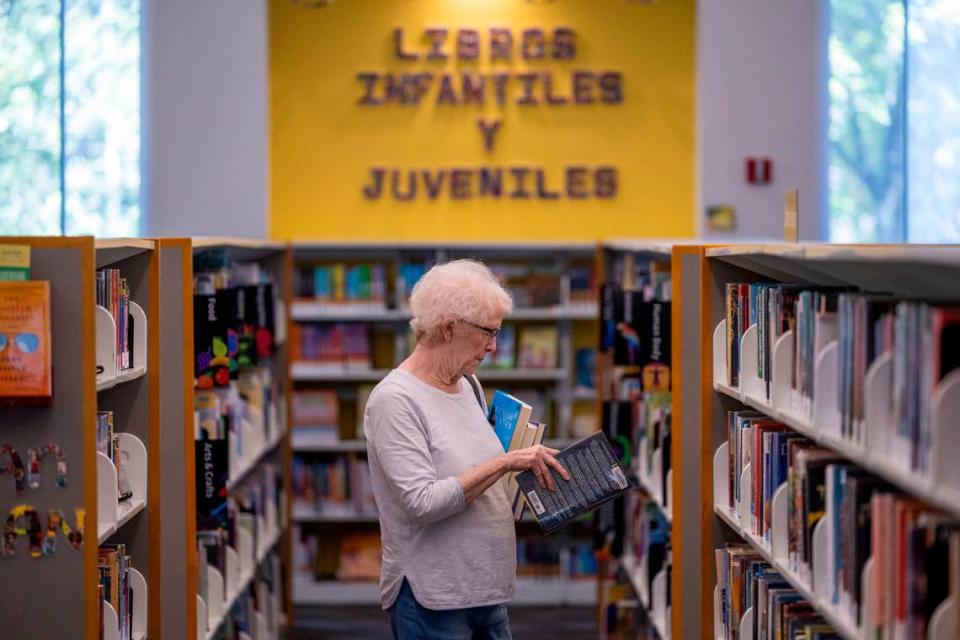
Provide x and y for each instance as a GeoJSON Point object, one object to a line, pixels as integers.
{"type": "Point", "coordinates": [24, 342]}
{"type": "Point", "coordinates": [491, 332]}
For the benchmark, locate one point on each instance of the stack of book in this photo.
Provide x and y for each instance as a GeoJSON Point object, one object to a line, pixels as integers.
{"type": "Point", "coordinates": [113, 294]}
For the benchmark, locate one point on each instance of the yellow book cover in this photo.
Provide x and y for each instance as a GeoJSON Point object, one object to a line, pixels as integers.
{"type": "Point", "coordinates": [25, 349]}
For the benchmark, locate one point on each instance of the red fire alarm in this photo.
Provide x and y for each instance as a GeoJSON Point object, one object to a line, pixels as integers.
{"type": "Point", "coordinates": [759, 170]}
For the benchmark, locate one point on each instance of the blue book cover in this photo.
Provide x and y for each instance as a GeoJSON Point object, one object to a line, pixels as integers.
{"type": "Point", "coordinates": [505, 414]}
{"type": "Point", "coordinates": [322, 284]}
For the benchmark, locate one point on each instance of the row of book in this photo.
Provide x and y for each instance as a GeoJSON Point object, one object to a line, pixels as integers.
{"type": "Point", "coordinates": [554, 557]}
{"type": "Point", "coordinates": [234, 318]}
{"type": "Point", "coordinates": [113, 294]}
{"type": "Point", "coordinates": [746, 581]}
{"type": "Point", "coordinates": [649, 539]}
{"type": "Point", "coordinates": [108, 443]}
{"type": "Point", "coordinates": [923, 341]}
{"type": "Point", "coordinates": [337, 555]}
{"type": "Point", "coordinates": [254, 508]}
{"type": "Point", "coordinates": [113, 563]}
{"type": "Point", "coordinates": [342, 283]}
{"type": "Point", "coordinates": [328, 416]}
{"type": "Point", "coordinates": [345, 345]}
{"type": "Point", "coordinates": [338, 486]}
{"type": "Point", "coordinates": [911, 545]}
{"type": "Point", "coordinates": [537, 348]}
{"type": "Point", "coordinates": [532, 286]}
{"type": "Point", "coordinates": [261, 597]}
{"type": "Point", "coordinates": [322, 417]}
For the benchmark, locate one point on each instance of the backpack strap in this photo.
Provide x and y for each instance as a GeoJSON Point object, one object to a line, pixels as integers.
{"type": "Point", "coordinates": [476, 392]}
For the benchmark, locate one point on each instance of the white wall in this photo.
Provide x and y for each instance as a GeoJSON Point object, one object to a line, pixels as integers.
{"type": "Point", "coordinates": [205, 135]}
{"type": "Point", "coordinates": [760, 92]}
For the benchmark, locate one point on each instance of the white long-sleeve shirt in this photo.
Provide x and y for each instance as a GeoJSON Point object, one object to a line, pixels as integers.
{"type": "Point", "coordinates": [419, 439]}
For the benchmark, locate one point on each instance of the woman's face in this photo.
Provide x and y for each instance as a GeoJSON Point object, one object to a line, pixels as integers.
{"type": "Point", "coordinates": [472, 341]}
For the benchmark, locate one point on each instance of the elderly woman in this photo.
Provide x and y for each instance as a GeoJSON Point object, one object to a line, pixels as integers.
{"type": "Point", "coordinates": [449, 546]}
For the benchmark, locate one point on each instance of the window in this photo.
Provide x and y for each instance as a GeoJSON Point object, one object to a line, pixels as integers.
{"type": "Point", "coordinates": [894, 135]}
{"type": "Point", "coordinates": [70, 117]}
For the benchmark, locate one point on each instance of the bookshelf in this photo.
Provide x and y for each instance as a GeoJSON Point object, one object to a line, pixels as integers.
{"type": "Point", "coordinates": [570, 314]}
{"type": "Point", "coordinates": [241, 580]}
{"type": "Point", "coordinates": [89, 377]}
{"type": "Point", "coordinates": [858, 441]}
{"type": "Point", "coordinates": [130, 392]}
{"type": "Point", "coordinates": [668, 497]}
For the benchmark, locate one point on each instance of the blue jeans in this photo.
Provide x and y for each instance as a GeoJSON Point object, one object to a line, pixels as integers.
{"type": "Point", "coordinates": [411, 621]}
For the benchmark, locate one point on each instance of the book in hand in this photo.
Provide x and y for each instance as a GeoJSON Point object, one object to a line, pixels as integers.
{"type": "Point", "coordinates": [509, 417]}
{"type": "Point", "coordinates": [596, 477]}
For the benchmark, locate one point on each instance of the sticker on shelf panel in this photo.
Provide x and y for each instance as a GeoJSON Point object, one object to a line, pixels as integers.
{"type": "Point", "coordinates": [29, 475]}
{"type": "Point", "coordinates": [24, 521]}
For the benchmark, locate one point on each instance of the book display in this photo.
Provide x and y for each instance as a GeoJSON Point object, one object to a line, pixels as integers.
{"type": "Point", "coordinates": [242, 482]}
{"type": "Point", "coordinates": [350, 327]}
{"type": "Point", "coordinates": [835, 393]}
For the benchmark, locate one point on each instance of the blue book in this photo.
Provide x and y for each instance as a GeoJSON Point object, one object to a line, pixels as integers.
{"type": "Point", "coordinates": [322, 283]}
{"type": "Point", "coordinates": [506, 414]}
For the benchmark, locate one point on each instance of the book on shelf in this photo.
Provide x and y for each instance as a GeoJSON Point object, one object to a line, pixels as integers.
{"type": "Point", "coordinates": [908, 542]}
{"type": "Point", "coordinates": [921, 340]}
{"type": "Point", "coordinates": [580, 280]}
{"type": "Point", "coordinates": [234, 319]}
{"type": "Point", "coordinates": [649, 538]}
{"type": "Point", "coordinates": [635, 326]}
{"type": "Point", "coordinates": [113, 564]}
{"type": "Point", "coordinates": [537, 347]}
{"type": "Point", "coordinates": [26, 375]}
{"type": "Point", "coordinates": [339, 283]}
{"type": "Point", "coordinates": [555, 557]}
{"type": "Point", "coordinates": [14, 262]}
{"type": "Point", "coordinates": [596, 477]}
{"type": "Point", "coordinates": [585, 361]}
{"type": "Point", "coordinates": [747, 581]}
{"type": "Point", "coordinates": [505, 355]}
{"type": "Point", "coordinates": [338, 487]}
{"type": "Point", "coordinates": [339, 346]}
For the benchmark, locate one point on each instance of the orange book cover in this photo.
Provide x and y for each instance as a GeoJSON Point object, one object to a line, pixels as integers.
{"type": "Point", "coordinates": [25, 351]}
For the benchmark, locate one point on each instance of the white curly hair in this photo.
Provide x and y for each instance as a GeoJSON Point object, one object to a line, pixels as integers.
{"type": "Point", "coordinates": [460, 289]}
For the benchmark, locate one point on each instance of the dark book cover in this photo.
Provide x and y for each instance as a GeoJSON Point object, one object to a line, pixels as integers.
{"type": "Point", "coordinates": [211, 349]}
{"type": "Point", "coordinates": [595, 478]}
{"type": "Point", "coordinates": [212, 468]}
{"type": "Point", "coordinates": [610, 298]}
{"type": "Point", "coordinates": [618, 427]}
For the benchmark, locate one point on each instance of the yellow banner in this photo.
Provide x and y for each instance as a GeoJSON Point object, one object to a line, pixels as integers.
{"type": "Point", "coordinates": [481, 119]}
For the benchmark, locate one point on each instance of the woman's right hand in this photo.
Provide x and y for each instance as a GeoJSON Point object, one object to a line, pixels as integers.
{"type": "Point", "coordinates": [540, 460]}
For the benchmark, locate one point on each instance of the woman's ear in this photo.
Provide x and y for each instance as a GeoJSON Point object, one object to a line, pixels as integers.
{"type": "Point", "coordinates": [446, 330]}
